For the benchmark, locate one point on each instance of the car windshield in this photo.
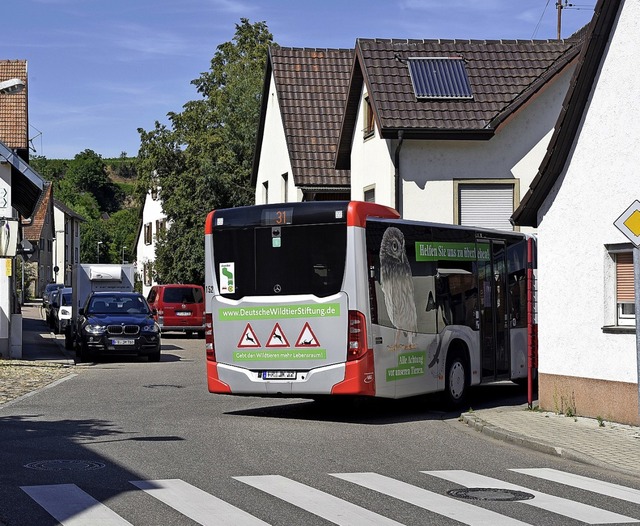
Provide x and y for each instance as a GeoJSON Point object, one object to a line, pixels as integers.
{"type": "Point", "coordinates": [113, 304]}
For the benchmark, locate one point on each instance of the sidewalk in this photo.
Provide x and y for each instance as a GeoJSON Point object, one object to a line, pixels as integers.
{"type": "Point", "coordinates": [612, 446]}
{"type": "Point", "coordinates": [44, 360]}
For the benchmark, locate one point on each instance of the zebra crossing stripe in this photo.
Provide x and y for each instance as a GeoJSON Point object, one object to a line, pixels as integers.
{"type": "Point", "coordinates": [445, 506]}
{"type": "Point", "coordinates": [317, 502]}
{"type": "Point", "coordinates": [578, 481]}
{"type": "Point", "coordinates": [71, 506]}
{"type": "Point", "coordinates": [559, 505]}
{"type": "Point", "coordinates": [197, 504]}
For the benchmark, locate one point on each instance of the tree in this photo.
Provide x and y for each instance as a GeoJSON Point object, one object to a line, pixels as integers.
{"type": "Point", "coordinates": [204, 160]}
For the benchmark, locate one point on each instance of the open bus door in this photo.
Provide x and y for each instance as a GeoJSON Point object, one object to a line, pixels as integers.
{"type": "Point", "coordinates": [494, 326]}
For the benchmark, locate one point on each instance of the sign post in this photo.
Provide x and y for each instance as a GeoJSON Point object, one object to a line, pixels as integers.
{"type": "Point", "coordinates": [629, 224]}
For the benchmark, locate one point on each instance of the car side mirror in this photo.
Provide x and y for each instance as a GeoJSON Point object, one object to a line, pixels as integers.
{"type": "Point", "coordinates": [154, 311]}
{"type": "Point", "coordinates": [81, 312]}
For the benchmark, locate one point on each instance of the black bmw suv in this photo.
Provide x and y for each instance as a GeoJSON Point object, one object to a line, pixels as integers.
{"type": "Point", "coordinates": [116, 323]}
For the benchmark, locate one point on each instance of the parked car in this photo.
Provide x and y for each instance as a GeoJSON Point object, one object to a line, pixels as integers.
{"type": "Point", "coordinates": [61, 308]}
{"type": "Point", "coordinates": [178, 307]}
{"type": "Point", "coordinates": [46, 301]}
{"type": "Point", "coordinates": [113, 323]}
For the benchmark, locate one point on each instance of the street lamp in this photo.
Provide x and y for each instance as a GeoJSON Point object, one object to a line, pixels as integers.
{"type": "Point", "coordinates": [99, 243]}
{"type": "Point", "coordinates": [11, 86]}
{"type": "Point", "coordinates": [123, 249]}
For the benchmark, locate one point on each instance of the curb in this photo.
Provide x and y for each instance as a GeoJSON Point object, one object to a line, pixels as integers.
{"type": "Point", "coordinates": [480, 425]}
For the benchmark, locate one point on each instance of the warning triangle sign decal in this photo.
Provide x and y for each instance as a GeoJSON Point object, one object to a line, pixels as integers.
{"type": "Point", "coordinates": [277, 338]}
{"type": "Point", "coordinates": [249, 339]}
{"type": "Point", "coordinates": [307, 338]}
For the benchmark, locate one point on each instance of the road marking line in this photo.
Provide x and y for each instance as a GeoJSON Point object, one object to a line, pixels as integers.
{"type": "Point", "coordinates": [71, 506]}
{"type": "Point", "coordinates": [578, 481]}
{"type": "Point", "coordinates": [445, 506]}
{"type": "Point", "coordinates": [318, 502]}
{"type": "Point", "coordinates": [566, 507]}
{"type": "Point", "coordinates": [198, 505]}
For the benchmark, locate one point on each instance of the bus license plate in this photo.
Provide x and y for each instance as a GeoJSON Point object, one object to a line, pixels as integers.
{"type": "Point", "coordinates": [123, 342]}
{"type": "Point", "coordinates": [278, 375]}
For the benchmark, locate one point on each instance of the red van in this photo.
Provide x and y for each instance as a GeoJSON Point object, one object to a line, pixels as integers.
{"type": "Point", "coordinates": [178, 308]}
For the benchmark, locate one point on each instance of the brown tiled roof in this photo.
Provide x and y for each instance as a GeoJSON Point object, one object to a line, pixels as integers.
{"type": "Point", "coordinates": [14, 127]}
{"type": "Point", "coordinates": [311, 86]}
{"type": "Point", "coordinates": [573, 109]}
{"type": "Point", "coordinates": [34, 229]}
{"type": "Point", "coordinates": [503, 74]}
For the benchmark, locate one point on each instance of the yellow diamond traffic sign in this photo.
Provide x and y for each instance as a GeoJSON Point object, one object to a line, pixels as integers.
{"type": "Point", "coordinates": [629, 223]}
{"type": "Point", "coordinates": [633, 222]}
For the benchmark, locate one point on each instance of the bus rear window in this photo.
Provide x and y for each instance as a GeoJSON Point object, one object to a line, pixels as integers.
{"type": "Point", "coordinates": [291, 259]}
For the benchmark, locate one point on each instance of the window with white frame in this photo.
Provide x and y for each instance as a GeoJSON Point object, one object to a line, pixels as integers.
{"type": "Point", "coordinates": [148, 239]}
{"type": "Point", "coordinates": [625, 294]}
{"type": "Point", "coordinates": [486, 204]}
{"type": "Point", "coordinates": [370, 195]}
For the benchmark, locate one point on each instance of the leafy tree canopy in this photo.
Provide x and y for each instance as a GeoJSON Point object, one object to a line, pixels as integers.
{"type": "Point", "coordinates": [203, 160]}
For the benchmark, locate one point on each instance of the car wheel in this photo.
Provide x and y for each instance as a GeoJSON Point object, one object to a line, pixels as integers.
{"type": "Point", "coordinates": [154, 357]}
{"type": "Point", "coordinates": [456, 380]}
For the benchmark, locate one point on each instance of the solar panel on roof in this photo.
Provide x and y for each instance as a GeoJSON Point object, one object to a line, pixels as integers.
{"type": "Point", "coordinates": [439, 78]}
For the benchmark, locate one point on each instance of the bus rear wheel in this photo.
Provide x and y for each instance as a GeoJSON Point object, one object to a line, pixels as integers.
{"type": "Point", "coordinates": [457, 380]}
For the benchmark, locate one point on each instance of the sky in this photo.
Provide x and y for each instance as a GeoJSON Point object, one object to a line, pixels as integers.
{"type": "Point", "coordinates": [100, 69]}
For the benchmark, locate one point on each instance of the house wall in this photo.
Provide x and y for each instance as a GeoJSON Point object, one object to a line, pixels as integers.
{"type": "Point", "coordinates": [145, 254]}
{"type": "Point", "coordinates": [579, 362]}
{"type": "Point", "coordinates": [371, 164]}
{"type": "Point", "coordinates": [59, 245]}
{"type": "Point", "coordinates": [5, 277]}
{"type": "Point", "coordinates": [429, 168]}
{"type": "Point", "coordinates": [274, 157]}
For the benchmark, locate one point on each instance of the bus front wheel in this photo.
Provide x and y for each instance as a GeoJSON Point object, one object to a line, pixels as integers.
{"type": "Point", "coordinates": [457, 379]}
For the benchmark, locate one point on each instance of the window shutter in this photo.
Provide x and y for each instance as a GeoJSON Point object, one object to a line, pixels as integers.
{"type": "Point", "coordinates": [486, 205]}
{"type": "Point", "coordinates": [624, 277]}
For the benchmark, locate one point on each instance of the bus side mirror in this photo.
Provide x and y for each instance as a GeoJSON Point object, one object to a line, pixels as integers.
{"type": "Point", "coordinates": [431, 303]}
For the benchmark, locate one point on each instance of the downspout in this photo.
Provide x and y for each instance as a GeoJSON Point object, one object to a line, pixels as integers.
{"type": "Point", "coordinates": [397, 173]}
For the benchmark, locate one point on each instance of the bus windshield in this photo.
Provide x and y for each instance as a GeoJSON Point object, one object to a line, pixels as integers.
{"type": "Point", "coordinates": [289, 259]}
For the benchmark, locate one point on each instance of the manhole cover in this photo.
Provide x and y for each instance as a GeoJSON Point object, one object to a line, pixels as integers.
{"type": "Point", "coordinates": [495, 494]}
{"type": "Point", "coordinates": [65, 465]}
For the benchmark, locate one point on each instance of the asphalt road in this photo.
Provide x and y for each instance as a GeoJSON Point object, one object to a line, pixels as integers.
{"type": "Point", "coordinates": [106, 446]}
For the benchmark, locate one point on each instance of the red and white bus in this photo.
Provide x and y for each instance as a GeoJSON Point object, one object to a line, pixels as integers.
{"type": "Point", "coordinates": [345, 298]}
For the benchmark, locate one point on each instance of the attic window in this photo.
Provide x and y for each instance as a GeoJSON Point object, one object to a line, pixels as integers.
{"type": "Point", "coordinates": [439, 78]}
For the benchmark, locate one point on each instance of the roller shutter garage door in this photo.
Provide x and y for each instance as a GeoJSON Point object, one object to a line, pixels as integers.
{"type": "Point", "coordinates": [486, 205]}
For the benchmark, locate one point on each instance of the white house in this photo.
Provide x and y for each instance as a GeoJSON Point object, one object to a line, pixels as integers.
{"type": "Point", "coordinates": [152, 221]}
{"type": "Point", "coordinates": [588, 361]}
{"type": "Point", "coordinates": [66, 247]}
{"type": "Point", "coordinates": [20, 189]}
{"type": "Point", "coordinates": [450, 130]}
{"type": "Point", "coordinates": [302, 107]}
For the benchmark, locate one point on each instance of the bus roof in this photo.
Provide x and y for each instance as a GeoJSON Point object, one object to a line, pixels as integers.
{"type": "Point", "coordinates": [352, 213]}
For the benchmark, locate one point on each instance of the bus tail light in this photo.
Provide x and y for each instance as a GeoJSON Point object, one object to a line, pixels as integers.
{"type": "Point", "coordinates": [208, 337]}
{"type": "Point", "coordinates": [357, 337]}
